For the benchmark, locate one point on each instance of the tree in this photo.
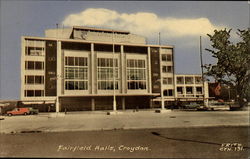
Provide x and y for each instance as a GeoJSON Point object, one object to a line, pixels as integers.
{"type": "Point", "coordinates": [233, 62]}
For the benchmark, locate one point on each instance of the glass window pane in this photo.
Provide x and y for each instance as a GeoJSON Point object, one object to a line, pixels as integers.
{"type": "Point", "coordinates": [71, 61]}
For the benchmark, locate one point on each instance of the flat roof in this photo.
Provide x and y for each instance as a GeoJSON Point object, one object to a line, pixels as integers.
{"type": "Point", "coordinates": [100, 30]}
{"type": "Point", "coordinates": [96, 42]}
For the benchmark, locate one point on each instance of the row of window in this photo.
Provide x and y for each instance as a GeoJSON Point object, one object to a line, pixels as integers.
{"type": "Point", "coordinates": [166, 57]}
{"type": "Point", "coordinates": [76, 61]}
{"type": "Point", "coordinates": [34, 79]}
{"type": "Point", "coordinates": [189, 90]}
{"type": "Point", "coordinates": [76, 73]}
{"type": "Point", "coordinates": [136, 63]}
{"type": "Point", "coordinates": [34, 65]}
{"type": "Point", "coordinates": [167, 69]}
{"type": "Point", "coordinates": [76, 85]}
{"type": "Point", "coordinates": [168, 80]}
{"type": "Point", "coordinates": [34, 93]}
{"type": "Point", "coordinates": [34, 51]}
{"type": "Point", "coordinates": [189, 80]}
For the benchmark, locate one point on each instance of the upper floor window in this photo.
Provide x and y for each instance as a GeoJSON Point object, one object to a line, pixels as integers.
{"type": "Point", "coordinates": [198, 80]}
{"type": "Point", "coordinates": [107, 69]}
{"type": "Point", "coordinates": [167, 69]}
{"type": "Point", "coordinates": [198, 90]}
{"type": "Point", "coordinates": [189, 80]}
{"type": "Point", "coordinates": [168, 92]}
{"type": "Point", "coordinates": [168, 80]}
{"type": "Point", "coordinates": [34, 51]}
{"type": "Point", "coordinates": [166, 57]}
{"type": "Point", "coordinates": [34, 65]}
{"type": "Point", "coordinates": [180, 80]}
{"type": "Point", "coordinates": [76, 73]}
{"type": "Point", "coordinates": [136, 74]}
{"type": "Point", "coordinates": [34, 79]}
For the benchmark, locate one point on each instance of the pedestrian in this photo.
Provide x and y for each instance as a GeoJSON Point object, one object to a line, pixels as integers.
{"type": "Point", "coordinates": [65, 111]}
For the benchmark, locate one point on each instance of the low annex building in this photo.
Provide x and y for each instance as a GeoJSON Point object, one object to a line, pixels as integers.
{"type": "Point", "coordinates": [83, 68]}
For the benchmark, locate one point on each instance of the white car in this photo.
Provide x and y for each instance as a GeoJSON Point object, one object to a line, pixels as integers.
{"type": "Point", "coordinates": [218, 106]}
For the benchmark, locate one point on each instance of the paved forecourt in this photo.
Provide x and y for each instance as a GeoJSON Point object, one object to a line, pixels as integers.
{"type": "Point", "coordinates": [99, 120]}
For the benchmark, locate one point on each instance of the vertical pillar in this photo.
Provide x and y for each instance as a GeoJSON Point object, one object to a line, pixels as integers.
{"type": "Point", "coordinates": [92, 104]}
{"type": "Point", "coordinates": [59, 75]}
{"type": "Point", "coordinates": [123, 103]}
{"type": "Point", "coordinates": [149, 80]}
{"type": "Point", "coordinates": [161, 81]}
{"type": "Point", "coordinates": [93, 71]}
{"type": "Point", "coordinates": [123, 70]}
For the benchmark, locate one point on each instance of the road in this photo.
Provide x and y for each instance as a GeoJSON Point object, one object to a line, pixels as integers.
{"type": "Point", "coordinates": [199, 142]}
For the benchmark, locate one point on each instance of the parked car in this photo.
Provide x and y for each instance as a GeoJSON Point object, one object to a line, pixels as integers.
{"type": "Point", "coordinates": [219, 106]}
{"type": "Point", "coordinates": [33, 111]}
{"type": "Point", "coordinates": [19, 111]}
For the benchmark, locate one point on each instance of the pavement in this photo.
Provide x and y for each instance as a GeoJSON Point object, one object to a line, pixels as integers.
{"type": "Point", "coordinates": [99, 120]}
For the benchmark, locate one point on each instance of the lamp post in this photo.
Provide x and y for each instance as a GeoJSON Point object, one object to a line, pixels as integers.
{"type": "Point", "coordinates": [229, 93]}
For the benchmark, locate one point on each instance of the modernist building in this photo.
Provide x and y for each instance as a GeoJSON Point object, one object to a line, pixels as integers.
{"type": "Point", "coordinates": [82, 68]}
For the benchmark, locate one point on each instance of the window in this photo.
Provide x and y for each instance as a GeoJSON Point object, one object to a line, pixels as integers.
{"type": "Point", "coordinates": [189, 90]}
{"type": "Point", "coordinates": [198, 80]}
{"type": "Point", "coordinates": [189, 80]}
{"type": "Point", "coordinates": [105, 73]}
{"type": "Point", "coordinates": [180, 90]}
{"type": "Point", "coordinates": [167, 80]}
{"type": "Point", "coordinates": [136, 74]}
{"type": "Point", "coordinates": [168, 92]}
{"type": "Point", "coordinates": [198, 90]}
{"type": "Point", "coordinates": [34, 65]}
{"type": "Point", "coordinates": [34, 51]}
{"type": "Point", "coordinates": [167, 69]}
{"type": "Point", "coordinates": [34, 93]}
{"type": "Point", "coordinates": [180, 80]}
{"type": "Point", "coordinates": [166, 57]}
{"type": "Point", "coordinates": [34, 79]}
{"type": "Point", "coordinates": [76, 73]}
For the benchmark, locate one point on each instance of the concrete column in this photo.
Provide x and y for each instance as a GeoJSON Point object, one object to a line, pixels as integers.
{"type": "Point", "coordinates": [123, 70]}
{"type": "Point", "coordinates": [93, 71]}
{"type": "Point", "coordinates": [161, 80]}
{"type": "Point", "coordinates": [59, 75]}
{"type": "Point", "coordinates": [123, 103]}
{"type": "Point", "coordinates": [149, 80]}
{"type": "Point", "coordinates": [92, 104]}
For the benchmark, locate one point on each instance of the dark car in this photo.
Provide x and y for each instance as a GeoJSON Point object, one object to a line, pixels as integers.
{"type": "Point", "coordinates": [190, 106]}
{"type": "Point", "coordinates": [33, 111]}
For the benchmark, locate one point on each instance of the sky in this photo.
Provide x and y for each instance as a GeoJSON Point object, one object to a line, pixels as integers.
{"type": "Point", "coordinates": [180, 24]}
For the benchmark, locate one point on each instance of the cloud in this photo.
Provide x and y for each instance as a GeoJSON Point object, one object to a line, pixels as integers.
{"type": "Point", "coordinates": [142, 23]}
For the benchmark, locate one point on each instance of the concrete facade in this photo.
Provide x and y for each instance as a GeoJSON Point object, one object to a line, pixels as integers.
{"type": "Point", "coordinates": [78, 68]}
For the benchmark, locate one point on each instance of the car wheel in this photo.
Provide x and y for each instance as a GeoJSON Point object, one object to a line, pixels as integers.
{"type": "Point", "coordinates": [9, 114]}
{"type": "Point", "coordinates": [25, 113]}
